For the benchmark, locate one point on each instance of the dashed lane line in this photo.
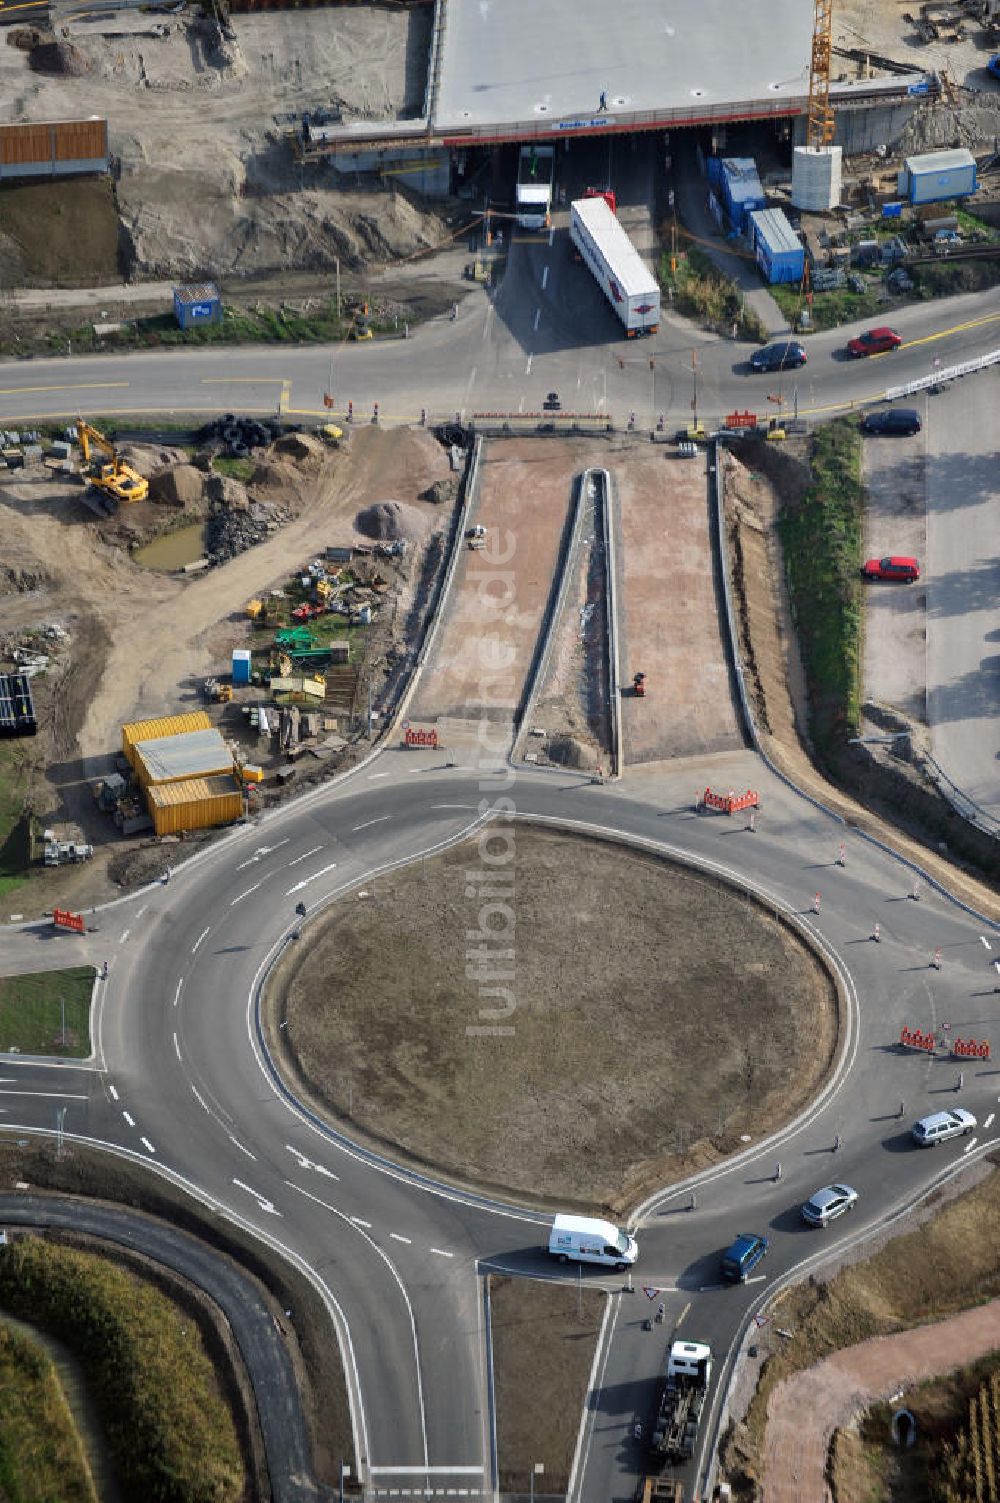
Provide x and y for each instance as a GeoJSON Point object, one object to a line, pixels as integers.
{"type": "Point", "coordinates": [314, 878]}
{"type": "Point", "coordinates": [380, 819]}
{"type": "Point", "coordinates": [147, 1145]}
{"type": "Point", "coordinates": [305, 855]}
{"type": "Point", "coordinates": [397, 1238]}
{"type": "Point", "coordinates": [129, 1118]}
{"type": "Point", "coordinates": [240, 896]}
{"type": "Point", "coordinates": [201, 936]}
{"type": "Point", "coordinates": [441, 1252]}
{"type": "Point", "coordinates": [114, 1094]}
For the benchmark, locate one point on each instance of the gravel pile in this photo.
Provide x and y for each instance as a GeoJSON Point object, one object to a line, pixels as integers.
{"type": "Point", "coordinates": [388, 520]}
{"type": "Point", "coordinates": [229, 533]}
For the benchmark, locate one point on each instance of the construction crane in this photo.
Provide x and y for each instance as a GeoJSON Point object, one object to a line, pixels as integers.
{"type": "Point", "coordinates": [819, 118]}
{"type": "Point", "coordinates": [115, 479]}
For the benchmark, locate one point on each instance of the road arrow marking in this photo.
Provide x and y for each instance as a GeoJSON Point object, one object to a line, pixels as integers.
{"type": "Point", "coordinates": [305, 1163]}
{"type": "Point", "coordinates": [260, 852]}
{"type": "Point", "coordinates": [984, 941]}
{"type": "Point", "coordinates": [306, 880]}
{"type": "Point", "coordinates": [265, 1205]}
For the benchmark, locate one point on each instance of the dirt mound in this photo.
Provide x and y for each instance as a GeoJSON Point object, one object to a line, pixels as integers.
{"type": "Point", "coordinates": [387, 521]}
{"type": "Point", "coordinates": [275, 475]}
{"type": "Point", "coordinates": [149, 458]}
{"type": "Point", "coordinates": [181, 485]}
{"type": "Point", "coordinates": [224, 491]}
{"type": "Point", "coordinates": [441, 490]}
{"type": "Point", "coordinates": [61, 59]}
{"type": "Point", "coordinates": [568, 752]}
{"type": "Point", "coordinates": [300, 446]}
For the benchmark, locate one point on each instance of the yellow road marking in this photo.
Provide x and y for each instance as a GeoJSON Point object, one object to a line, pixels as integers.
{"type": "Point", "coordinates": [973, 323]}
{"type": "Point", "coordinates": [239, 380]}
{"type": "Point", "coordinates": [16, 391]}
{"type": "Point", "coordinates": [677, 1322]}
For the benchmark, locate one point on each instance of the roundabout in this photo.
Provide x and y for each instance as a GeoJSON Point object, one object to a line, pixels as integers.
{"type": "Point", "coordinates": [645, 1018]}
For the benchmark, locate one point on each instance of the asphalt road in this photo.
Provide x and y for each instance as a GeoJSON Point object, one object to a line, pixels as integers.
{"type": "Point", "coordinates": [181, 1079]}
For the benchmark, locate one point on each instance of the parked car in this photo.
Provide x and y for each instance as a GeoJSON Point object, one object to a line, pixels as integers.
{"type": "Point", "coordinates": [903, 421]}
{"type": "Point", "coordinates": [994, 65]}
{"type": "Point", "coordinates": [874, 342]}
{"type": "Point", "coordinates": [940, 1126]}
{"type": "Point", "coordinates": [894, 568]}
{"type": "Point", "coordinates": [740, 1260]}
{"type": "Point", "coordinates": [788, 354]}
{"type": "Point", "coordinates": [827, 1204]}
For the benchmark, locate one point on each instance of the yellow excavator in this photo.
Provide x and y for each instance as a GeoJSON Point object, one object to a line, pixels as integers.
{"type": "Point", "coordinates": [115, 479]}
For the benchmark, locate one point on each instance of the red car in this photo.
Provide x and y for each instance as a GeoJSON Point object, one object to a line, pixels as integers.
{"type": "Point", "coordinates": [903, 570]}
{"type": "Point", "coordinates": [874, 342]}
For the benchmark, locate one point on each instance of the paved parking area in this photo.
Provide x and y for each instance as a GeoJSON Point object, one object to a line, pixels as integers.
{"type": "Point", "coordinates": [895, 652]}
{"type": "Point", "coordinates": [963, 585]}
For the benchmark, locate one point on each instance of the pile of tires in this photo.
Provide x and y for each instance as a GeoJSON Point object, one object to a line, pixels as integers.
{"type": "Point", "coordinates": [237, 436]}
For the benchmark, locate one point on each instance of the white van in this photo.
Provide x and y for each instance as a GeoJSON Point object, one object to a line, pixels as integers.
{"type": "Point", "coordinates": [584, 1240]}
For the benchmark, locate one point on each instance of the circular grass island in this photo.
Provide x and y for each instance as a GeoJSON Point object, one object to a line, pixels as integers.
{"type": "Point", "coordinates": [564, 1020]}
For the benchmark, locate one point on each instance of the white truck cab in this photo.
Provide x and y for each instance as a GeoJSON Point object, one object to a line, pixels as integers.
{"type": "Point", "coordinates": [582, 1239]}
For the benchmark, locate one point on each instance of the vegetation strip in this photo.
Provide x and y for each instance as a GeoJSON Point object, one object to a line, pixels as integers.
{"type": "Point", "coordinates": [41, 1457]}
{"type": "Point", "coordinates": [47, 1013]}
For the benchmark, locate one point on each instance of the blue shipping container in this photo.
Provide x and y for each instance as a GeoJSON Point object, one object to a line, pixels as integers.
{"type": "Point", "coordinates": [780, 253]}
{"type": "Point", "coordinates": [741, 189]}
{"type": "Point", "coordinates": [715, 171]}
{"type": "Point", "coordinates": [197, 305]}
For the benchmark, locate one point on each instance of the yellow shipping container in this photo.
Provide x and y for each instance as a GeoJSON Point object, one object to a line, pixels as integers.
{"type": "Point", "coordinates": [178, 759]}
{"type": "Point", "coordinates": [200, 804]}
{"type": "Point", "coordinates": [166, 725]}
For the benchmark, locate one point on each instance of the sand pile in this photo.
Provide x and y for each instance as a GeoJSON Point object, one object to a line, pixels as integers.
{"type": "Point", "coordinates": [387, 521]}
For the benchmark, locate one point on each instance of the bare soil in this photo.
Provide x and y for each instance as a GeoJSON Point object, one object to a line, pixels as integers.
{"type": "Point", "coordinates": [140, 642]}
{"type": "Point", "coordinates": [544, 1335]}
{"type": "Point", "coordinates": [669, 617]}
{"type": "Point", "coordinates": [487, 643]}
{"type": "Point", "coordinates": [585, 1096]}
{"type": "Point", "coordinates": [206, 180]}
{"type": "Point", "coordinates": [949, 1263]}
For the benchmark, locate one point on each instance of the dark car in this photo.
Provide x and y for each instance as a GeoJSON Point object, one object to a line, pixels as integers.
{"type": "Point", "coordinates": [902, 570]}
{"type": "Point", "coordinates": [994, 65]}
{"type": "Point", "coordinates": [552, 402]}
{"type": "Point", "coordinates": [740, 1260]}
{"type": "Point", "coordinates": [787, 355]}
{"type": "Point", "coordinates": [904, 421]}
{"type": "Point", "coordinates": [874, 342]}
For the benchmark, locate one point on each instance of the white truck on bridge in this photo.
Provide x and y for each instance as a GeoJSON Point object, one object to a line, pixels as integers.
{"type": "Point", "coordinates": [536, 166]}
{"type": "Point", "coordinates": [619, 270]}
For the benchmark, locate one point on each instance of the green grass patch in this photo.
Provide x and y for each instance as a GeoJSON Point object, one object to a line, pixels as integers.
{"type": "Point", "coordinates": [169, 1431]}
{"type": "Point", "coordinates": [259, 325]}
{"type": "Point", "coordinates": [236, 469]}
{"type": "Point", "coordinates": [821, 539]}
{"type": "Point", "coordinates": [15, 819]}
{"type": "Point", "coordinates": [41, 1456]}
{"type": "Point", "coordinates": [32, 1009]}
{"type": "Point", "coordinates": [831, 309]}
{"type": "Point", "coordinates": [697, 289]}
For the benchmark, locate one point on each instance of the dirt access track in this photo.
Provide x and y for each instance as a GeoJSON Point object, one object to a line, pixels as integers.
{"type": "Point", "coordinates": [140, 641]}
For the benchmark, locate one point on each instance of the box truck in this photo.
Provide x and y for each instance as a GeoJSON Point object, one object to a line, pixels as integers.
{"type": "Point", "coordinates": [616, 265]}
{"type": "Point", "coordinates": [536, 167]}
{"type": "Point", "coordinates": [581, 1239]}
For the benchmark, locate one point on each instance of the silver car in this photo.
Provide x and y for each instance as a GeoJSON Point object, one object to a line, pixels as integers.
{"type": "Point", "coordinates": [826, 1205]}
{"type": "Point", "coordinates": [940, 1126]}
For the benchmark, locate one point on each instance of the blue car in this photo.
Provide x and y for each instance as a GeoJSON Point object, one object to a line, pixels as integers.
{"type": "Point", "coordinates": [740, 1260]}
{"type": "Point", "coordinates": [994, 65]}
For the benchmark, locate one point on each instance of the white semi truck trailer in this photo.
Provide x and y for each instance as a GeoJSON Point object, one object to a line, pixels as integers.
{"type": "Point", "coordinates": [616, 265]}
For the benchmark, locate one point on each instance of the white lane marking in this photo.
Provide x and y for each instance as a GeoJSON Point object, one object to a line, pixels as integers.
{"type": "Point", "coordinates": [177, 1048]}
{"type": "Point", "coordinates": [140, 911]}
{"type": "Point", "coordinates": [125, 936]}
{"type": "Point", "coordinates": [266, 1205]}
{"type": "Point", "coordinates": [48, 1095]}
{"type": "Point", "coordinates": [306, 880]}
{"type": "Point", "coordinates": [442, 1471]}
{"type": "Point", "coordinates": [147, 1145]}
{"type": "Point", "coordinates": [970, 1145]}
{"type": "Point", "coordinates": [237, 1144]}
{"type": "Point", "coordinates": [520, 405]}
{"type": "Point", "coordinates": [358, 1222]}
{"type": "Point", "coordinates": [128, 1118]}
{"type": "Point", "coordinates": [709, 1289]}
{"type": "Point", "coordinates": [538, 314]}
{"type": "Point", "coordinates": [759, 1278]}
{"type": "Point", "coordinates": [989, 1120]}
{"type": "Point", "coordinates": [261, 852]}
{"type": "Point", "coordinates": [368, 822]}
{"type": "Point", "coordinates": [240, 896]}
{"type": "Point", "coordinates": [414, 769]}
{"type": "Point", "coordinates": [984, 941]}
{"type": "Point", "coordinates": [198, 941]}
{"type": "Point", "coordinates": [177, 993]}
{"type": "Point", "coordinates": [305, 855]}
{"type": "Point", "coordinates": [552, 240]}
{"type": "Point", "coordinates": [200, 1100]}
{"type": "Point", "coordinates": [305, 1163]}
{"type": "Point", "coordinates": [114, 1097]}
{"type": "Point", "coordinates": [527, 368]}
{"type": "Point", "coordinates": [373, 775]}
{"type": "Point", "coordinates": [397, 1238]}
{"type": "Point", "coordinates": [545, 277]}
{"type": "Point", "coordinates": [451, 806]}
{"type": "Point", "coordinates": [441, 1252]}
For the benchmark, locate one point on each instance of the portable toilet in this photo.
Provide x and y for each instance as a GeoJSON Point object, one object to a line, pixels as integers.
{"type": "Point", "coordinates": [241, 665]}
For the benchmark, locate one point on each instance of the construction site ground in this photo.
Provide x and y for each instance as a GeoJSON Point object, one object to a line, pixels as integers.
{"type": "Point", "coordinates": [669, 618]}
{"type": "Point", "coordinates": [141, 642]}
{"type": "Point", "coordinates": [590, 1100]}
{"type": "Point", "coordinates": [206, 182]}
{"type": "Point", "coordinates": [482, 656]}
